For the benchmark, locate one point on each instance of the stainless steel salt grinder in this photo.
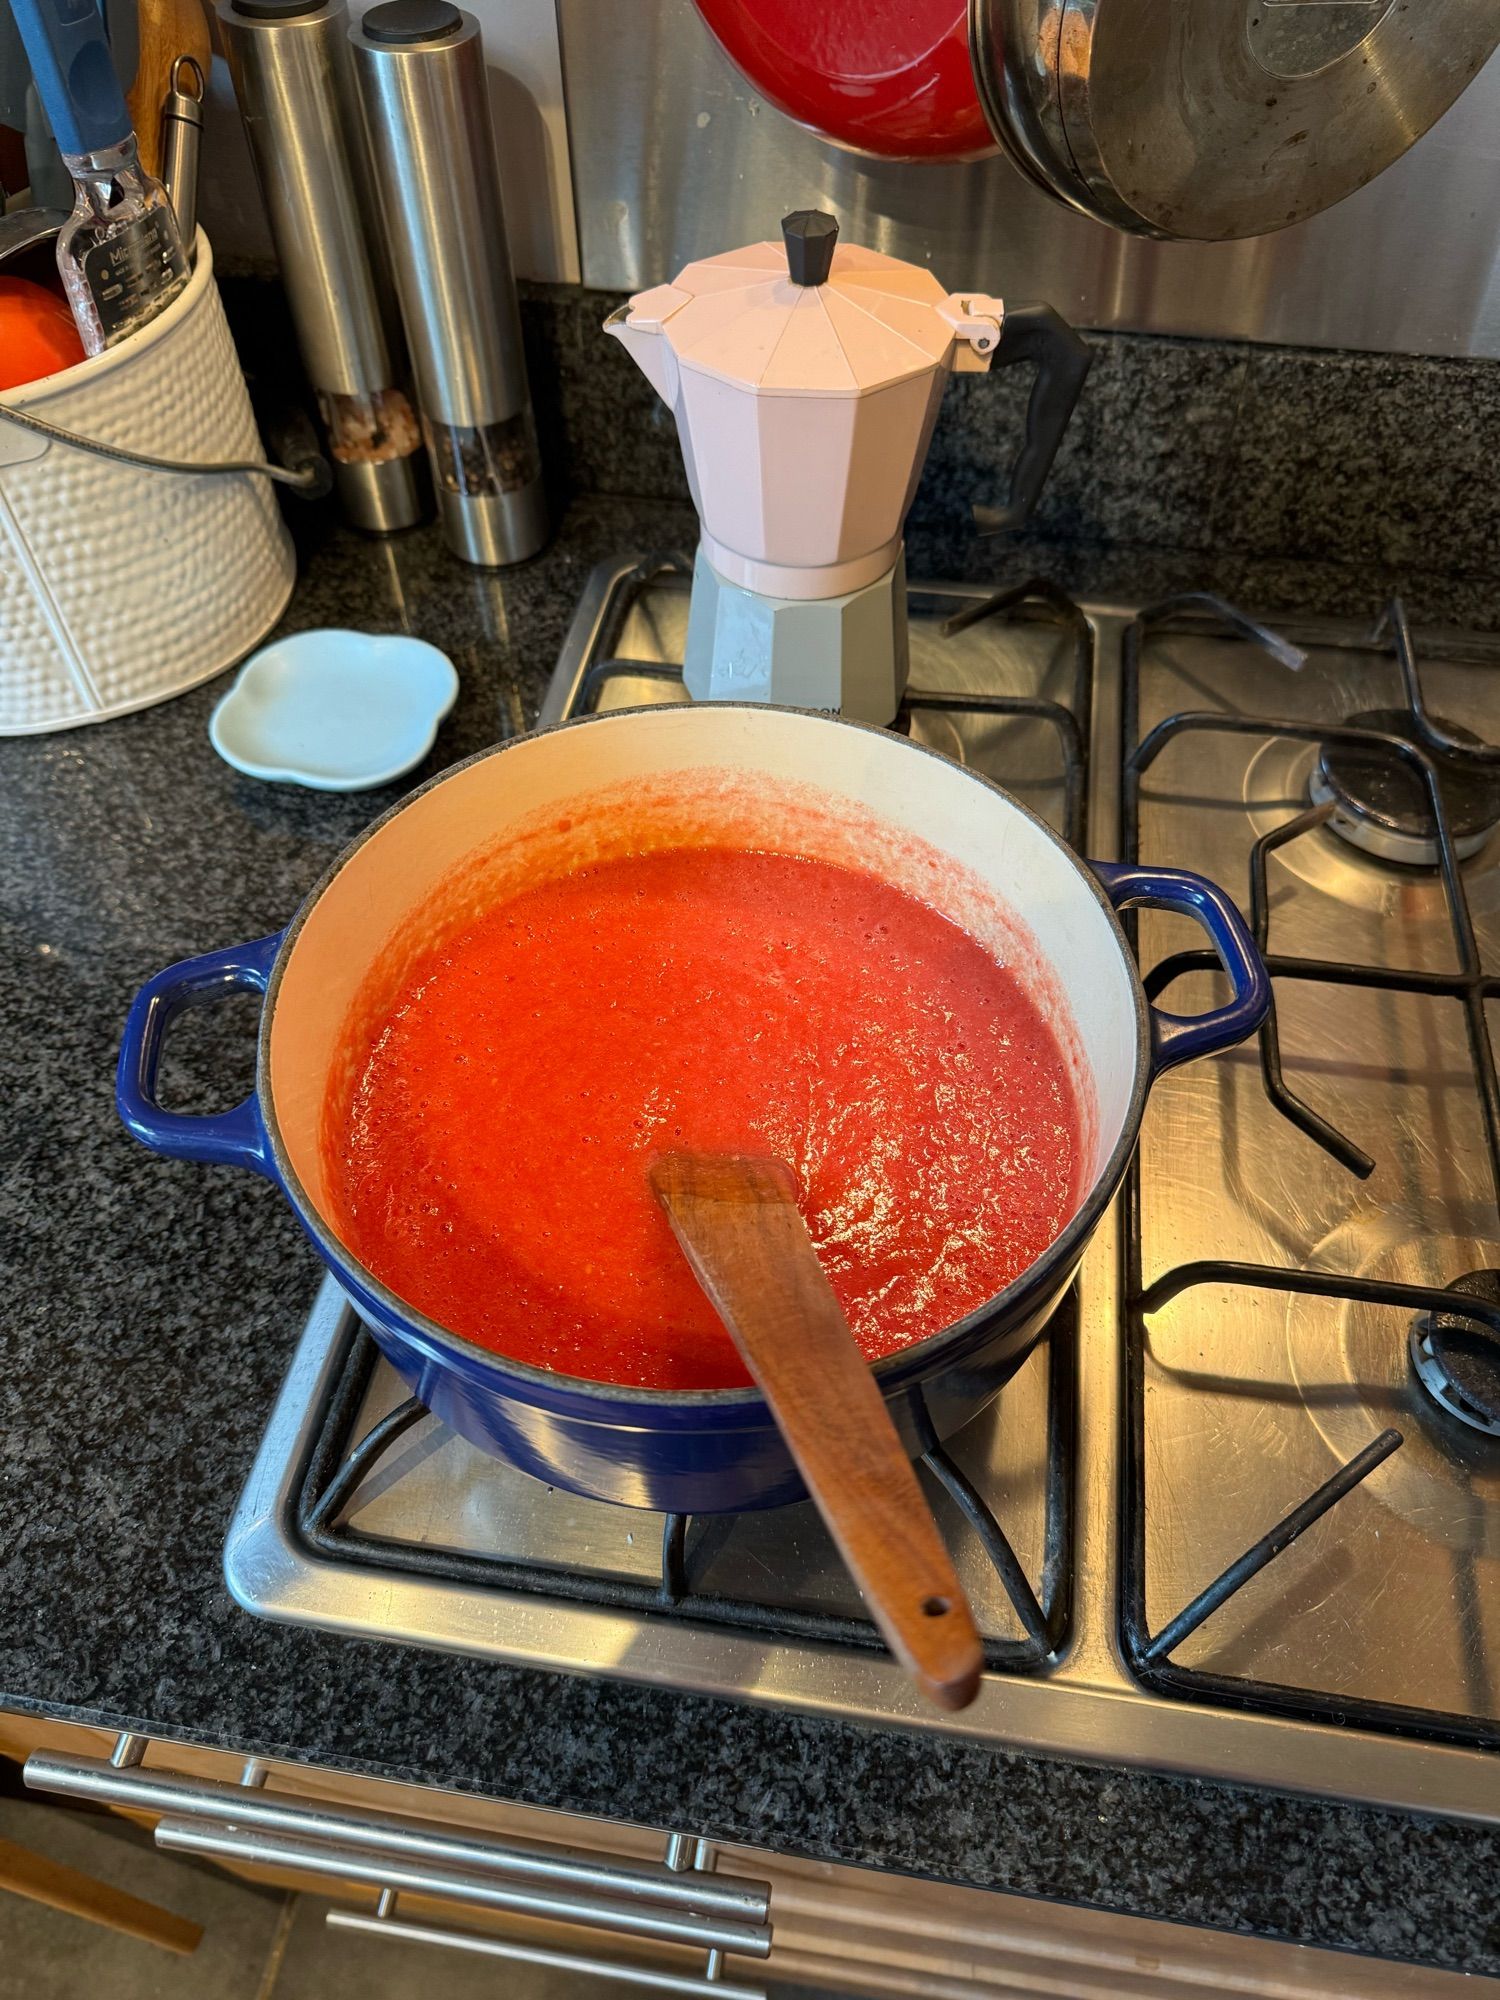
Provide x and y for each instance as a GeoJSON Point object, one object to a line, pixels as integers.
{"type": "Point", "coordinates": [290, 64]}
{"type": "Point", "coordinates": [419, 65]}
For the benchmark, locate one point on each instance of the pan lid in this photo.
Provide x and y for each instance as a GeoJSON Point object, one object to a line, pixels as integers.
{"type": "Point", "coordinates": [1213, 119]}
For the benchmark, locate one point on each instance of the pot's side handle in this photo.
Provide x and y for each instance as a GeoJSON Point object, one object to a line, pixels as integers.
{"type": "Point", "coordinates": [223, 1138]}
{"type": "Point", "coordinates": [1179, 1038]}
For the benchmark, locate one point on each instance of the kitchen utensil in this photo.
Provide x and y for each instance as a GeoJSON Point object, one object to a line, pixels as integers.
{"type": "Point", "coordinates": [181, 142]}
{"type": "Point", "coordinates": [119, 253]}
{"type": "Point", "coordinates": [169, 30]}
{"type": "Point", "coordinates": [21, 107]}
{"type": "Point", "coordinates": [51, 183]}
{"type": "Point", "coordinates": [42, 170]}
{"type": "Point", "coordinates": [420, 69]}
{"type": "Point", "coordinates": [751, 775]}
{"type": "Point", "coordinates": [1218, 118]}
{"type": "Point", "coordinates": [739, 1228]}
{"type": "Point", "coordinates": [122, 24]}
{"type": "Point", "coordinates": [94, 623]}
{"type": "Point", "coordinates": [891, 78]}
{"type": "Point", "coordinates": [336, 711]}
{"type": "Point", "coordinates": [290, 63]}
{"type": "Point", "coordinates": [805, 378]}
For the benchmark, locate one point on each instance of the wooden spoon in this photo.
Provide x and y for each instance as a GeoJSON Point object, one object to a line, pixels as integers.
{"type": "Point", "coordinates": [739, 1228]}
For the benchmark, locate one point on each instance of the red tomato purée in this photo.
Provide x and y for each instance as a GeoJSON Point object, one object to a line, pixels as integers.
{"type": "Point", "coordinates": [490, 1164]}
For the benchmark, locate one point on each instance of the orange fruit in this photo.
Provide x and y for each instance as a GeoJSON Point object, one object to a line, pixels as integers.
{"type": "Point", "coordinates": [37, 334]}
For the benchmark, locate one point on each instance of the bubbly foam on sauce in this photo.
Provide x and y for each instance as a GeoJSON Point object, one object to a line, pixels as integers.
{"type": "Point", "coordinates": [503, 1088]}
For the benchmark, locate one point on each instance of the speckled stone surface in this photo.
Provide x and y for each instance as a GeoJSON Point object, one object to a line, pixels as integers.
{"type": "Point", "coordinates": [1140, 462]}
{"type": "Point", "coordinates": [1367, 458]}
{"type": "Point", "coordinates": [149, 1310]}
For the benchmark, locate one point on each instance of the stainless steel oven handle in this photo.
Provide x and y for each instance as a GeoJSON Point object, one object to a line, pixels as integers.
{"type": "Point", "coordinates": [681, 1902]}
{"type": "Point", "coordinates": [707, 1987]}
{"type": "Point", "coordinates": [255, 1845]}
{"type": "Point", "coordinates": [727, 1912]}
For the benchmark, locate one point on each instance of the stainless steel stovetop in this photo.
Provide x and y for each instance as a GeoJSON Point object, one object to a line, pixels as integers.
{"type": "Point", "coordinates": [1186, 1401]}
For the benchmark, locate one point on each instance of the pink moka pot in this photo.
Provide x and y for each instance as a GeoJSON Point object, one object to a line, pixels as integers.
{"type": "Point", "coordinates": [805, 377]}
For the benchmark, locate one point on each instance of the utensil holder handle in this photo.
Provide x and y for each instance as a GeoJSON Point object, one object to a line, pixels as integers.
{"type": "Point", "coordinates": [1180, 1038]}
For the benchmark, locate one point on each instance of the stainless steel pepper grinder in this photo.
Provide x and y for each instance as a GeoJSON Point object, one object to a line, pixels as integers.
{"type": "Point", "coordinates": [420, 70]}
{"type": "Point", "coordinates": [290, 64]}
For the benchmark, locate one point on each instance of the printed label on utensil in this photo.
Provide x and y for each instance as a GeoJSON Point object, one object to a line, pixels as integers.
{"type": "Point", "coordinates": [133, 273]}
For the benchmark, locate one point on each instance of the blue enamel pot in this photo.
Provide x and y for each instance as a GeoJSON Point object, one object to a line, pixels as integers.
{"type": "Point", "coordinates": [749, 775]}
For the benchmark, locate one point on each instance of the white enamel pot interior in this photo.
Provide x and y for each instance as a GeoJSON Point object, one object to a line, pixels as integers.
{"type": "Point", "coordinates": [719, 773]}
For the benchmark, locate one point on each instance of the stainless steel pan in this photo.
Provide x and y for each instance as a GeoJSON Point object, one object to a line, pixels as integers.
{"type": "Point", "coordinates": [1219, 118]}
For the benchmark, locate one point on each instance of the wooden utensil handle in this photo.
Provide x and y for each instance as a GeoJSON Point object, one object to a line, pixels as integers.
{"type": "Point", "coordinates": [738, 1225]}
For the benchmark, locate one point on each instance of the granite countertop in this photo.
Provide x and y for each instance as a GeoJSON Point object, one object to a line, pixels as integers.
{"type": "Point", "coordinates": [150, 1308]}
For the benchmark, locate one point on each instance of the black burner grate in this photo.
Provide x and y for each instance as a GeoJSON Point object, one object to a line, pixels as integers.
{"type": "Point", "coordinates": [1416, 744]}
{"type": "Point", "coordinates": [337, 1468]}
{"type": "Point", "coordinates": [338, 1465]}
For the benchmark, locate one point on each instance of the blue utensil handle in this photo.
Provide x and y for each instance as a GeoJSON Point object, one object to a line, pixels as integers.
{"type": "Point", "coordinates": [75, 73]}
{"type": "Point", "coordinates": [1179, 1038]}
{"type": "Point", "coordinates": [224, 1138]}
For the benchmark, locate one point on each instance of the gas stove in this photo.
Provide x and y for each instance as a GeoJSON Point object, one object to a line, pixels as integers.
{"type": "Point", "coordinates": [1239, 1513]}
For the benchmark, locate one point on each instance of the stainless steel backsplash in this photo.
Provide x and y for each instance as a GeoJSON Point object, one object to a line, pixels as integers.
{"type": "Point", "coordinates": [674, 157]}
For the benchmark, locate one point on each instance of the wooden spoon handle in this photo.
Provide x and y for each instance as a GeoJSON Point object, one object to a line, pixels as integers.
{"type": "Point", "coordinates": [738, 1225]}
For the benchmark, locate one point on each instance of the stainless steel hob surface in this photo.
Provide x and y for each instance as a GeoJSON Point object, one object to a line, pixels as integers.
{"type": "Point", "coordinates": [1138, 1452]}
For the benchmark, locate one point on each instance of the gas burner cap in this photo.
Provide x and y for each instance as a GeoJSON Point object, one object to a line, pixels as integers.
{"type": "Point", "coordinates": [1458, 1359]}
{"type": "Point", "coordinates": [1380, 801]}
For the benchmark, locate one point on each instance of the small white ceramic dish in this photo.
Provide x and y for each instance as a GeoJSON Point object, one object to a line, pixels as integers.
{"type": "Point", "coordinates": [339, 711]}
